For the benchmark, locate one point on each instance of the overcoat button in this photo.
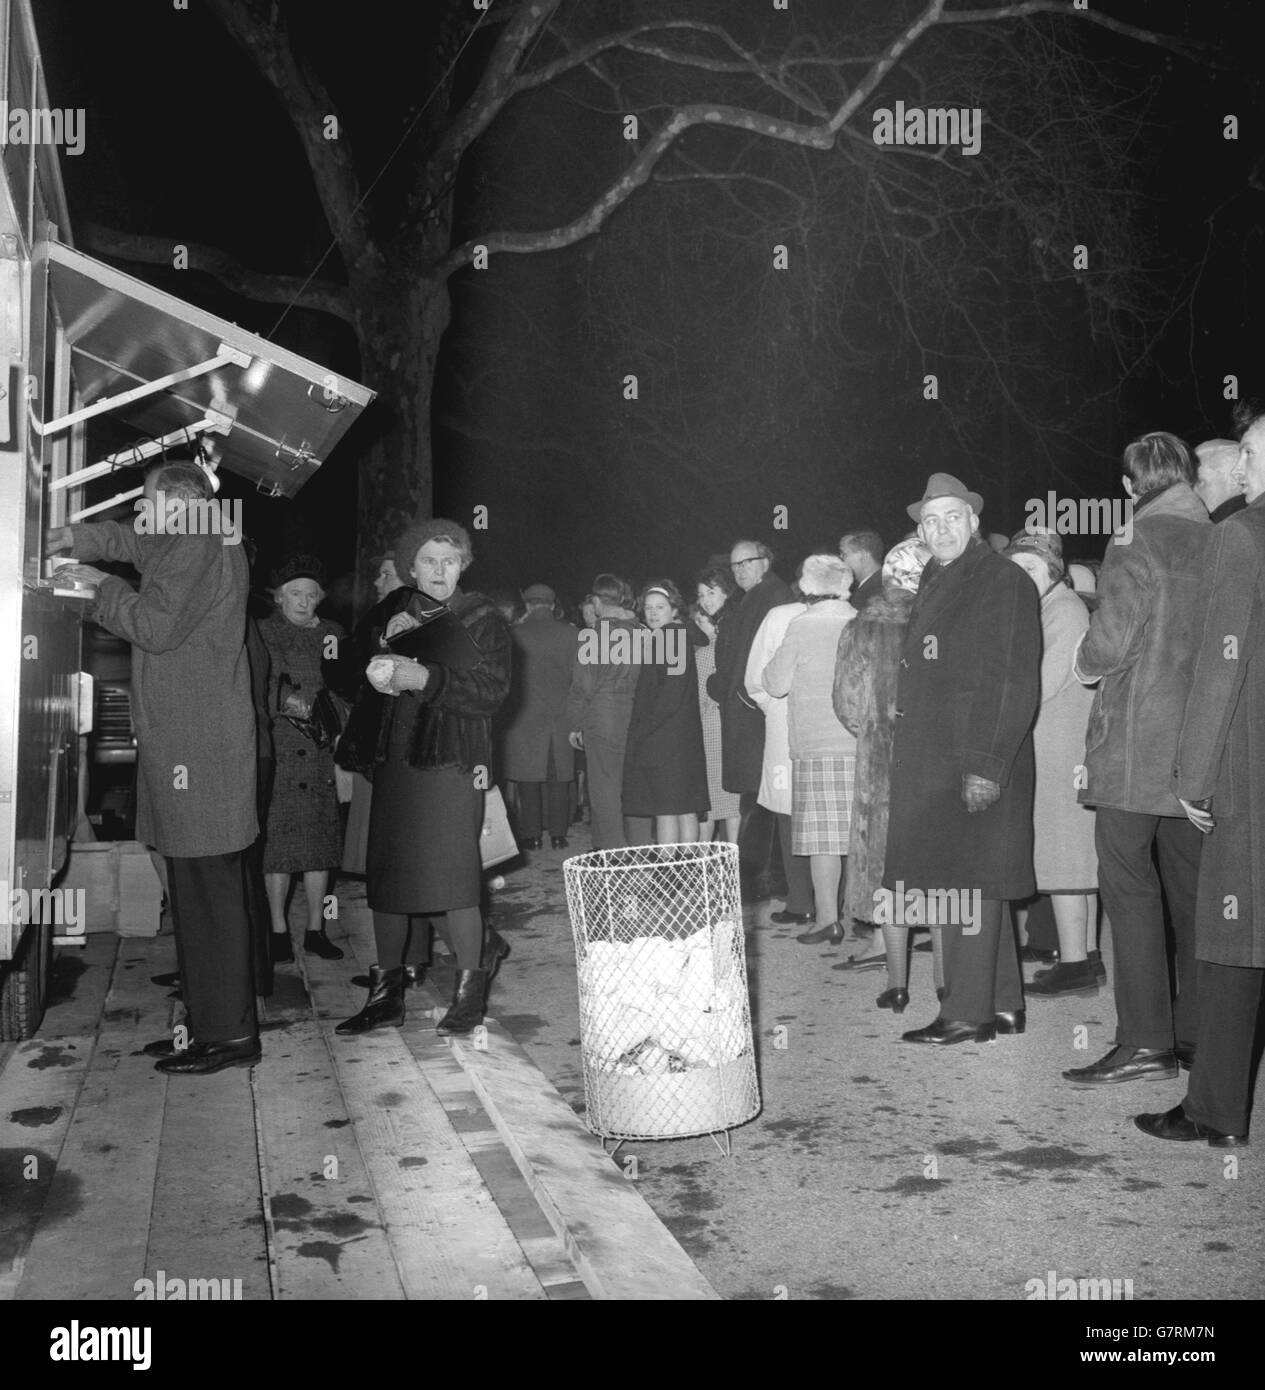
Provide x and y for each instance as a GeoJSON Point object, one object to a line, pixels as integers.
{"type": "Point", "coordinates": [303, 786]}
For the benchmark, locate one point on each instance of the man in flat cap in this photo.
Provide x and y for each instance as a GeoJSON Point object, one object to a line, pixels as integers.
{"type": "Point", "coordinates": [960, 835]}
{"type": "Point", "coordinates": [538, 752]}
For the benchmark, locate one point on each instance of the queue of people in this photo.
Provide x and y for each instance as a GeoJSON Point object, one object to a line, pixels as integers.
{"type": "Point", "coordinates": [917, 738]}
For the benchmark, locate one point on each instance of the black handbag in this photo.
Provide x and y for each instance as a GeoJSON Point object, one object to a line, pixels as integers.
{"type": "Point", "coordinates": [323, 723]}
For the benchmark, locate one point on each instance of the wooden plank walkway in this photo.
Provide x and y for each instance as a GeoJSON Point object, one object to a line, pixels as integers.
{"type": "Point", "coordinates": [395, 1165]}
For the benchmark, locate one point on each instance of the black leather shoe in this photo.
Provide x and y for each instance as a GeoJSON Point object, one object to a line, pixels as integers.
{"type": "Point", "coordinates": [1011, 1021]}
{"type": "Point", "coordinates": [533, 843]}
{"type": "Point", "coordinates": [171, 980]}
{"type": "Point", "coordinates": [791, 919]}
{"type": "Point", "coordinates": [558, 841]}
{"type": "Point", "coordinates": [946, 1031]}
{"type": "Point", "coordinates": [1185, 1055]}
{"type": "Point", "coordinates": [895, 999]}
{"type": "Point", "coordinates": [758, 890]}
{"type": "Point", "coordinates": [465, 1013]}
{"type": "Point", "coordinates": [164, 1047]}
{"type": "Point", "coordinates": [1065, 978]}
{"type": "Point", "coordinates": [318, 944]}
{"type": "Point", "coordinates": [384, 1006]}
{"type": "Point", "coordinates": [281, 947]}
{"type": "Point", "coordinates": [1176, 1124]}
{"type": "Point", "coordinates": [1126, 1064]}
{"type": "Point", "coordinates": [200, 1059]}
{"type": "Point", "coordinates": [831, 932]}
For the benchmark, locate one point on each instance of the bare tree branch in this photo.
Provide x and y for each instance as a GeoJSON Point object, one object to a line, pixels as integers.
{"type": "Point", "coordinates": [268, 289]}
{"type": "Point", "coordinates": [307, 102]}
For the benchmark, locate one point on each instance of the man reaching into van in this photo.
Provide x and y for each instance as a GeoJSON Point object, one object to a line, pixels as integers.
{"type": "Point", "coordinates": [195, 734]}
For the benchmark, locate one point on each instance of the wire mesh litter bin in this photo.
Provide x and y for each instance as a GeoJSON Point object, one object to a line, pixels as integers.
{"type": "Point", "coordinates": [665, 1021]}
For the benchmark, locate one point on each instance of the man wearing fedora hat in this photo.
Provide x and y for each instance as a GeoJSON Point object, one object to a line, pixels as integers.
{"type": "Point", "coordinates": [960, 831]}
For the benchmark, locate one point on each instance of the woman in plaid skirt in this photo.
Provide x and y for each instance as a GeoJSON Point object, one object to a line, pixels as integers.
{"type": "Point", "coordinates": [823, 752]}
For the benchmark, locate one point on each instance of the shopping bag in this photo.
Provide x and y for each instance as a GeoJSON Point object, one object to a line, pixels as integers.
{"type": "Point", "coordinates": [496, 843]}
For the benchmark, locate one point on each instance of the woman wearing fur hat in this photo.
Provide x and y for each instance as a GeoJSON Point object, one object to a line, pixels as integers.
{"type": "Point", "coordinates": [429, 760]}
{"type": "Point", "coordinates": [823, 752]}
{"type": "Point", "coordinates": [1064, 858]}
{"type": "Point", "coordinates": [302, 833]}
{"type": "Point", "coordinates": [866, 668]}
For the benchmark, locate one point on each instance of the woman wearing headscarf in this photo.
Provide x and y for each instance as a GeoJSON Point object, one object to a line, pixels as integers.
{"type": "Point", "coordinates": [714, 588]}
{"type": "Point", "coordinates": [823, 752]}
{"type": "Point", "coordinates": [1064, 858]}
{"type": "Point", "coordinates": [665, 768]}
{"type": "Point", "coordinates": [867, 665]}
{"type": "Point", "coordinates": [430, 757]}
{"type": "Point", "coordinates": [303, 834]}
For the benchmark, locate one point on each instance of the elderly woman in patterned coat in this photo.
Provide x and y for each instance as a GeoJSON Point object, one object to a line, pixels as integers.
{"type": "Point", "coordinates": [867, 665]}
{"type": "Point", "coordinates": [302, 834]}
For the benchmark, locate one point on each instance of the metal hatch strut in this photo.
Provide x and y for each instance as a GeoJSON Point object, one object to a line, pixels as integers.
{"type": "Point", "coordinates": [215, 422]}
{"type": "Point", "coordinates": [224, 356]}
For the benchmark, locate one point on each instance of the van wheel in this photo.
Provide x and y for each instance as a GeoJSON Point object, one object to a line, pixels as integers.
{"type": "Point", "coordinates": [24, 984]}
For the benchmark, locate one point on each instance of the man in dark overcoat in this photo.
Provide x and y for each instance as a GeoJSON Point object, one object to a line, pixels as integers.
{"type": "Point", "coordinates": [1140, 647]}
{"type": "Point", "coordinates": [959, 840]}
{"type": "Point", "coordinates": [741, 720]}
{"type": "Point", "coordinates": [195, 737]}
{"type": "Point", "coordinates": [538, 752]}
{"type": "Point", "coordinates": [1219, 775]}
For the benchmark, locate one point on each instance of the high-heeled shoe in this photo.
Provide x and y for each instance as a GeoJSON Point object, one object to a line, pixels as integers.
{"type": "Point", "coordinates": [832, 932]}
{"type": "Point", "coordinates": [895, 999]}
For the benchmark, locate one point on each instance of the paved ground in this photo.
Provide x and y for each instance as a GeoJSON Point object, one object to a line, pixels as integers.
{"type": "Point", "coordinates": [881, 1170]}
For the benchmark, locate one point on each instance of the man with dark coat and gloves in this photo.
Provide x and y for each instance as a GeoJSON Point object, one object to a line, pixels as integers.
{"type": "Point", "coordinates": [1140, 647]}
{"type": "Point", "coordinates": [741, 721]}
{"type": "Point", "coordinates": [195, 735]}
{"type": "Point", "coordinates": [959, 841]}
{"type": "Point", "coordinates": [1219, 776]}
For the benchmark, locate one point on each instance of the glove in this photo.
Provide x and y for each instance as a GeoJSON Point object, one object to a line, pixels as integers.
{"type": "Point", "coordinates": [978, 792]}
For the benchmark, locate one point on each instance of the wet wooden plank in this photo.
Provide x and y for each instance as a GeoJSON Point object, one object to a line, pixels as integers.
{"type": "Point", "coordinates": [612, 1236]}
{"type": "Point", "coordinates": [39, 1085]}
{"type": "Point", "coordinates": [207, 1219]}
{"type": "Point", "coordinates": [78, 986]}
{"type": "Point", "coordinates": [94, 1228]}
{"type": "Point", "coordinates": [327, 1236]}
{"type": "Point", "coordinates": [449, 1238]}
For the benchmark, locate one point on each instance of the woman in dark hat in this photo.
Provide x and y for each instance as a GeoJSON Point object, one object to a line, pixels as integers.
{"type": "Point", "coordinates": [302, 834]}
{"type": "Point", "coordinates": [429, 758]}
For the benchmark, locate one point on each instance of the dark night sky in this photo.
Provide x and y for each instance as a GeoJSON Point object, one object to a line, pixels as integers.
{"type": "Point", "coordinates": [183, 139]}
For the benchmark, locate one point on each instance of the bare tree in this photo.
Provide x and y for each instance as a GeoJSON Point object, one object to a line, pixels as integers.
{"type": "Point", "coordinates": [785, 117]}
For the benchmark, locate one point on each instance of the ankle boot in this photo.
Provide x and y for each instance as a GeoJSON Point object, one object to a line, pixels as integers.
{"type": "Point", "coordinates": [385, 1004]}
{"type": "Point", "coordinates": [466, 1011]}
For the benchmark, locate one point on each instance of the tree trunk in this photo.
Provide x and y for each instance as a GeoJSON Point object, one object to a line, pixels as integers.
{"type": "Point", "coordinates": [400, 322]}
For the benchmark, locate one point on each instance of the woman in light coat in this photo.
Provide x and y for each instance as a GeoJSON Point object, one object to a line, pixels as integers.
{"type": "Point", "coordinates": [1064, 858]}
{"type": "Point", "coordinates": [823, 752]}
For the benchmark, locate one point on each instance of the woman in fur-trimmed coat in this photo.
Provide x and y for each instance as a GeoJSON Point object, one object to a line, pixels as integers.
{"type": "Point", "coordinates": [866, 670]}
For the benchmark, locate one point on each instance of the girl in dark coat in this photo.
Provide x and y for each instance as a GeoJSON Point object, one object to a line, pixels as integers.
{"type": "Point", "coordinates": [302, 834]}
{"type": "Point", "coordinates": [430, 758]}
{"type": "Point", "coordinates": [665, 769]}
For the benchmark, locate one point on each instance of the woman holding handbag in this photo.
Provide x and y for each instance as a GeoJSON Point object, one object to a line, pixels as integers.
{"type": "Point", "coordinates": [302, 834]}
{"type": "Point", "coordinates": [444, 670]}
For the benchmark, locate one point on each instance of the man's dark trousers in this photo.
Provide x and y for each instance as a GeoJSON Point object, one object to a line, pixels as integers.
{"type": "Point", "coordinates": [1146, 1015]}
{"type": "Point", "coordinates": [981, 967]}
{"type": "Point", "coordinates": [1220, 1091]}
{"type": "Point", "coordinates": [213, 945]}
